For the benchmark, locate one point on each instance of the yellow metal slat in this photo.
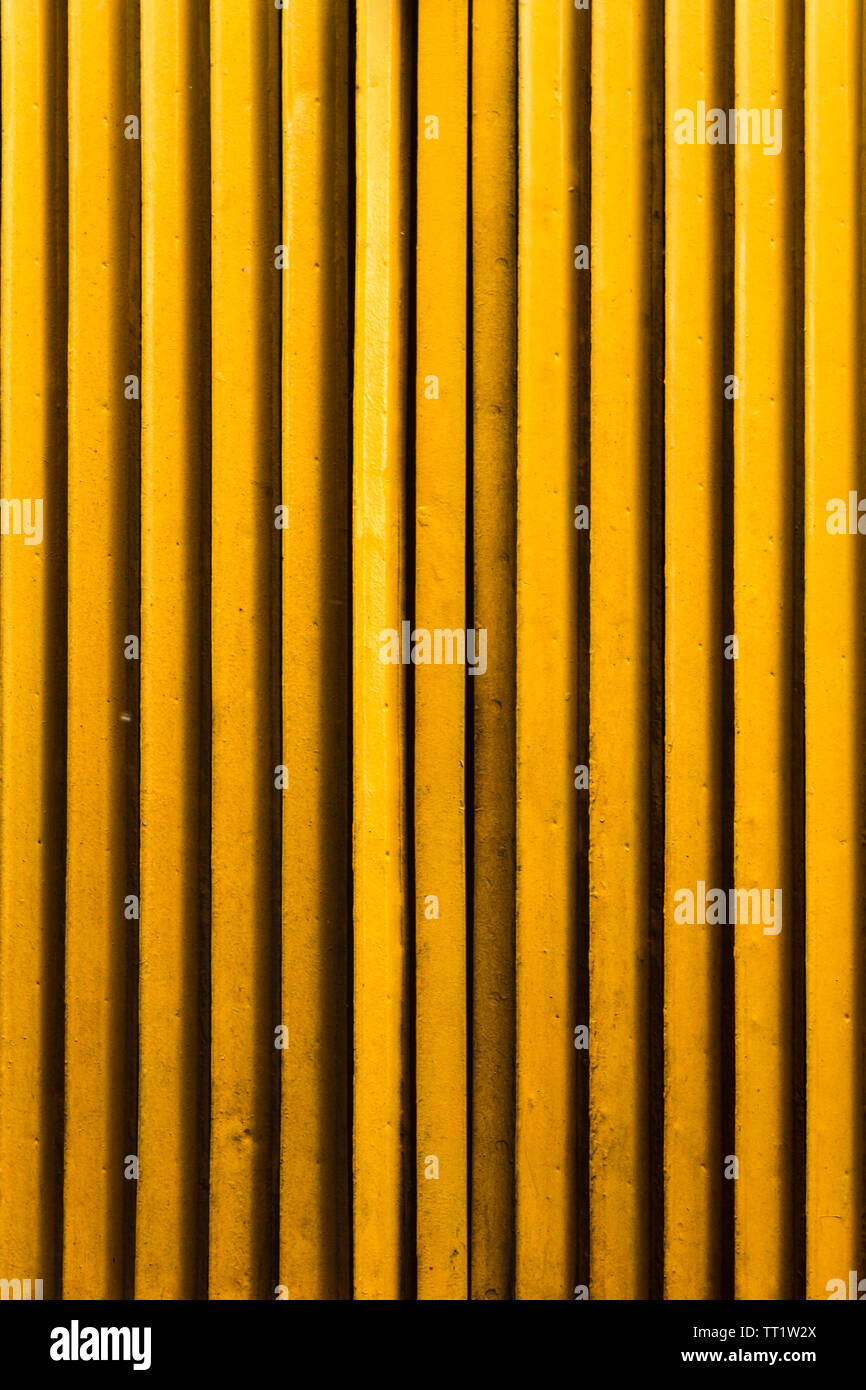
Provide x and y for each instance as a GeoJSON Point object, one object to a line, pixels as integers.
{"type": "Point", "coordinates": [316, 477]}
{"type": "Point", "coordinates": [103, 424]}
{"type": "Point", "coordinates": [695, 408]}
{"type": "Point", "coordinates": [440, 690]}
{"type": "Point", "coordinates": [32, 436]}
{"type": "Point", "coordinates": [546, 657]}
{"type": "Point", "coordinates": [763, 575]}
{"type": "Point", "coordinates": [494, 357]}
{"type": "Point", "coordinates": [175, 199]}
{"type": "Point", "coordinates": [379, 603]}
{"type": "Point", "coordinates": [834, 671]}
{"type": "Point", "coordinates": [619, 652]}
{"type": "Point", "coordinates": [245, 298]}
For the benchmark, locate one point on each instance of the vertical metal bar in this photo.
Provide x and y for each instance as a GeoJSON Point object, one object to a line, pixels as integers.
{"type": "Point", "coordinates": [103, 425]}
{"type": "Point", "coordinates": [546, 657]}
{"type": "Point", "coordinates": [834, 621]}
{"type": "Point", "coordinates": [619, 652]}
{"type": "Point", "coordinates": [695, 409]}
{"type": "Point", "coordinates": [314, 1195]}
{"type": "Point", "coordinates": [175, 231]}
{"type": "Point", "coordinates": [763, 605]}
{"type": "Point", "coordinates": [245, 403]}
{"type": "Point", "coordinates": [440, 689]}
{"type": "Point", "coordinates": [32, 475]}
{"type": "Point", "coordinates": [494, 364]}
{"type": "Point", "coordinates": [378, 686]}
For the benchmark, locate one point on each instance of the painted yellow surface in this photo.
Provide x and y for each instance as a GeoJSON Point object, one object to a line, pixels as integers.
{"type": "Point", "coordinates": [619, 654]}
{"type": "Point", "coordinates": [379, 690]}
{"type": "Point", "coordinates": [314, 1193]}
{"type": "Point", "coordinates": [834, 623]}
{"type": "Point", "coordinates": [545, 1162]}
{"type": "Point", "coordinates": [763, 610]}
{"type": "Point", "coordinates": [695, 410]}
{"type": "Point", "coordinates": [101, 684]}
{"type": "Point", "coordinates": [494, 360]}
{"type": "Point", "coordinates": [245, 302]}
{"type": "Point", "coordinates": [294, 348]}
{"type": "Point", "coordinates": [440, 691]}
{"type": "Point", "coordinates": [175, 232]}
{"type": "Point", "coordinates": [32, 436]}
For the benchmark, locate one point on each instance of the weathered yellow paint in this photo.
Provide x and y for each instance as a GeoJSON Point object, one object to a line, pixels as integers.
{"type": "Point", "coordinates": [175, 232]}
{"type": "Point", "coordinates": [619, 653]}
{"type": "Point", "coordinates": [440, 690]}
{"type": "Point", "coordinates": [32, 437]}
{"type": "Point", "coordinates": [379, 603]}
{"type": "Point", "coordinates": [694, 414]}
{"type": "Point", "coordinates": [245, 299]}
{"type": "Point", "coordinates": [834, 674]}
{"type": "Point", "coordinates": [763, 606]}
{"type": "Point", "coordinates": [283, 381]}
{"type": "Point", "coordinates": [103, 427]}
{"type": "Point", "coordinates": [314, 1193]}
{"type": "Point", "coordinates": [546, 657]}
{"type": "Point", "coordinates": [494, 362]}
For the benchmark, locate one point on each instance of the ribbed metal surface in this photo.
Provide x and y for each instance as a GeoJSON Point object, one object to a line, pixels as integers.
{"type": "Point", "coordinates": [338, 340]}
